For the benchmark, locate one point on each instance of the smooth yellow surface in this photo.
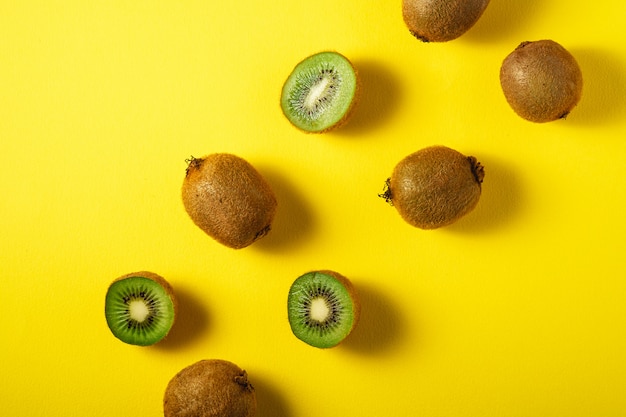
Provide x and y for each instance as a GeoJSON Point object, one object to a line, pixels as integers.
{"type": "Point", "coordinates": [516, 310]}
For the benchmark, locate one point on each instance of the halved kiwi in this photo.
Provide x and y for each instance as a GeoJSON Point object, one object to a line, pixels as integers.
{"type": "Point", "coordinates": [323, 308]}
{"type": "Point", "coordinates": [320, 92]}
{"type": "Point", "coordinates": [140, 308]}
{"type": "Point", "coordinates": [434, 186]}
{"type": "Point", "coordinates": [210, 388]}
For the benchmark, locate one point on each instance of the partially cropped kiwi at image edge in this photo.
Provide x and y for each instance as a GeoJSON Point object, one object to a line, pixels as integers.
{"type": "Point", "coordinates": [226, 197]}
{"type": "Point", "coordinates": [140, 308]}
{"type": "Point", "coordinates": [541, 81]}
{"type": "Point", "coordinates": [441, 20]}
{"type": "Point", "coordinates": [434, 187]}
{"type": "Point", "coordinates": [323, 308]}
{"type": "Point", "coordinates": [210, 388]}
{"type": "Point", "coordinates": [320, 93]}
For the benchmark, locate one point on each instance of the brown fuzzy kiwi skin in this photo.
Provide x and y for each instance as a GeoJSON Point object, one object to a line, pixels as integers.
{"type": "Point", "coordinates": [435, 186]}
{"type": "Point", "coordinates": [228, 199]}
{"type": "Point", "coordinates": [210, 388]}
{"type": "Point", "coordinates": [353, 295]}
{"type": "Point", "coordinates": [541, 81]}
{"type": "Point", "coordinates": [441, 20]}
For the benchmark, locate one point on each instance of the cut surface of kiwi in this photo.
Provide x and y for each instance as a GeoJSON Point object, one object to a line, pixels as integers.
{"type": "Point", "coordinates": [320, 92]}
{"type": "Point", "coordinates": [541, 81]}
{"type": "Point", "coordinates": [140, 308]}
{"type": "Point", "coordinates": [323, 308]}
{"type": "Point", "coordinates": [434, 187]}
{"type": "Point", "coordinates": [228, 199]}
{"type": "Point", "coordinates": [210, 388]}
{"type": "Point", "coordinates": [441, 20]}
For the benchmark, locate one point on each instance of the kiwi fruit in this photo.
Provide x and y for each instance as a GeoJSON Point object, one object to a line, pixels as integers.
{"type": "Point", "coordinates": [140, 308]}
{"type": "Point", "coordinates": [323, 308]}
{"type": "Point", "coordinates": [441, 20]}
{"type": "Point", "coordinates": [541, 81]}
{"type": "Point", "coordinates": [434, 186]}
{"type": "Point", "coordinates": [320, 93]}
{"type": "Point", "coordinates": [210, 388]}
{"type": "Point", "coordinates": [228, 199]}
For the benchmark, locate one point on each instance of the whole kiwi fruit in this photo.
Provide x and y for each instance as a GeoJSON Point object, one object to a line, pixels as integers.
{"type": "Point", "coordinates": [210, 388]}
{"type": "Point", "coordinates": [321, 92]}
{"type": "Point", "coordinates": [541, 81]}
{"type": "Point", "coordinates": [228, 199]}
{"type": "Point", "coordinates": [434, 186]}
{"type": "Point", "coordinates": [441, 20]}
{"type": "Point", "coordinates": [140, 308]}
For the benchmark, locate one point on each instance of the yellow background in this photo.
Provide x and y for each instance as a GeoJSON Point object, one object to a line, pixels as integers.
{"type": "Point", "coordinates": [516, 310]}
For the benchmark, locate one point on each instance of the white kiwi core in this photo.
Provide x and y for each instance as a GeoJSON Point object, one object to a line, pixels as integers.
{"type": "Point", "coordinates": [319, 309]}
{"type": "Point", "coordinates": [138, 310]}
{"type": "Point", "coordinates": [316, 92]}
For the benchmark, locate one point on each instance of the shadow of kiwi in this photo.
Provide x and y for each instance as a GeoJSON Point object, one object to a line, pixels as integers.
{"type": "Point", "coordinates": [604, 88]}
{"type": "Point", "coordinates": [502, 19]}
{"type": "Point", "coordinates": [293, 220]}
{"type": "Point", "coordinates": [270, 402]}
{"type": "Point", "coordinates": [380, 94]}
{"type": "Point", "coordinates": [380, 326]}
{"type": "Point", "coordinates": [191, 322]}
{"type": "Point", "coordinates": [500, 201]}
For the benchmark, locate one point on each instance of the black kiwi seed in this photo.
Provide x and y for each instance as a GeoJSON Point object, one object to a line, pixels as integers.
{"type": "Point", "coordinates": [541, 81]}
{"type": "Point", "coordinates": [140, 308]}
{"type": "Point", "coordinates": [434, 187]}
{"type": "Point", "coordinates": [441, 20]}
{"type": "Point", "coordinates": [228, 199]}
{"type": "Point", "coordinates": [210, 388]}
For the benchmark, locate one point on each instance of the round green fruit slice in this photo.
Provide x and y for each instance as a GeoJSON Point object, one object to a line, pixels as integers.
{"type": "Point", "coordinates": [140, 308]}
{"type": "Point", "coordinates": [323, 308]}
{"type": "Point", "coordinates": [320, 93]}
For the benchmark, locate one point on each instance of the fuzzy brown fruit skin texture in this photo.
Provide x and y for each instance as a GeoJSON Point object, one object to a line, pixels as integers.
{"type": "Point", "coordinates": [435, 186]}
{"type": "Point", "coordinates": [441, 20]}
{"type": "Point", "coordinates": [541, 81]}
{"type": "Point", "coordinates": [228, 199]}
{"type": "Point", "coordinates": [210, 388]}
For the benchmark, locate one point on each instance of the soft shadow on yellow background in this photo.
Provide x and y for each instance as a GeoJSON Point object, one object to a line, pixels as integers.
{"type": "Point", "coordinates": [516, 310]}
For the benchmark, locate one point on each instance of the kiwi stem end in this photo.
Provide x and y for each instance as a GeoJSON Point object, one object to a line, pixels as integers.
{"type": "Point", "coordinates": [386, 194]}
{"type": "Point", "coordinates": [192, 163]}
{"type": "Point", "coordinates": [477, 169]}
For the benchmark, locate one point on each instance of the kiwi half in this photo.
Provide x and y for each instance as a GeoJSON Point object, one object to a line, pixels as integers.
{"type": "Point", "coordinates": [323, 308]}
{"type": "Point", "coordinates": [434, 187]}
{"type": "Point", "coordinates": [441, 20]}
{"type": "Point", "coordinates": [140, 308]}
{"type": "Point", "coordinates": [210, 388]}
{"type": "Point", "coordinates": [541, 81]}
{"type": "Point", "coordinates": [320, 93]}
{"type": "Point", "coordinates": [228, 199]}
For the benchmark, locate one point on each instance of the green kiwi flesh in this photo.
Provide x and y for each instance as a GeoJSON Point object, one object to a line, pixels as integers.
{"type": "Point", "coordinates": [541, 81]}
{"type": "Point", "coordinates": [441, 20]}
{"type": "Point", "coordinates": [323, 308]}
{"type": "Point", "coordinates": [320, 92]}
{"type": "Point", "coordinates": [140, 308]}
{"type": "Point", "coordinates": [228, 199]}
{"type": "Point", "coordinates": [434, 187]}
{"type": "Point", "coordinates": [210, 388]}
